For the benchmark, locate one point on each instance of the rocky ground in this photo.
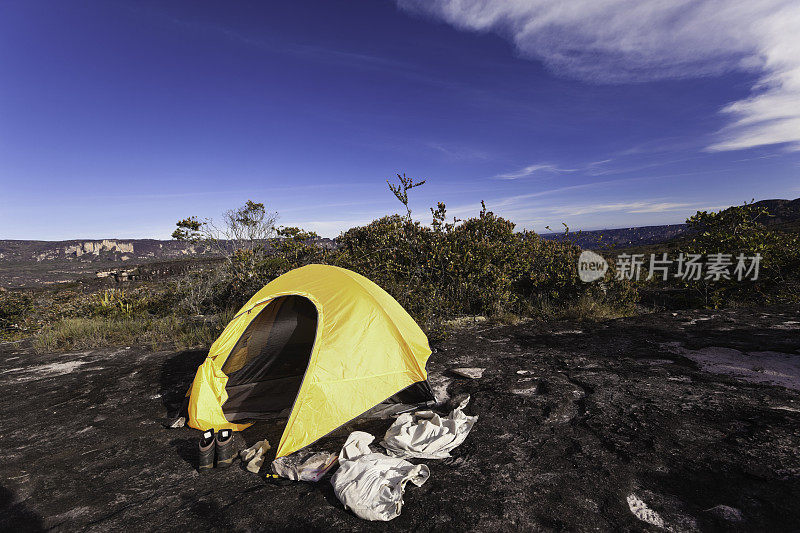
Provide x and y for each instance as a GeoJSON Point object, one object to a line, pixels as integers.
{"type": "Point", "coordinates": [683, 422]}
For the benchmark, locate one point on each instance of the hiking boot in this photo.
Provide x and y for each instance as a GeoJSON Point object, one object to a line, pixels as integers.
{"type": "Point", "coordinates": [206, 450]}
{"type": "Point", "coordinates": [225, 451]}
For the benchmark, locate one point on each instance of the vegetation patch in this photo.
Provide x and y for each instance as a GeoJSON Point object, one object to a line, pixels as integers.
{"type": "Point", "coordinates": [152, 332]}
{"type": "Point", "coordinates": [440, 272]}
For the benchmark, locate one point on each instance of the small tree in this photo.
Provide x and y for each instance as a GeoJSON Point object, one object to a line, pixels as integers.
{"type": "Point", "coordinates": [297, 246]}
{"type": "Point", "coordinates": [401, 190]}
{"type": "Point", "coordinates": [242, 240]}
{"type": "Point", "coordinates": [249, 227]}
{"type": "Point", "coordinates": [245, 231]}
{"type": "Point", "coordinates": [189, 229]}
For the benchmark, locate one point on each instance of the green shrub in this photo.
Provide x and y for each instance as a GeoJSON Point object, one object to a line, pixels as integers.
{"type": "Point", "coordinates": [478, 267]}
{"type": "Point", "coordinates": [113, 302]}
{"type": "Point", "coordinates": [743, 230]}
{"type": "Point", "coordinates": [15, 310]}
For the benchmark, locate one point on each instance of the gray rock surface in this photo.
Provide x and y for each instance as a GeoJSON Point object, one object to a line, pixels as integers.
{"type": "Point", "coordinates": [571, 426]}
{"type": "Point", "coordinates": [469, 373]}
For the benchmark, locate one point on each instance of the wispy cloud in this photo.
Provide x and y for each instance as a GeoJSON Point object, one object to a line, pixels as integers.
{"type": "Point", "coordinates": [532, 169]}
{"type": "Point", "coordinates": [457, 152]}
{"type": "Point", "coordinates": [513, 202]}
{"type": "Point", "coordinates": [648, 206]}
{"type": "Point", "coordinates": [663, 144]}
{"type": "Point", "coordinates": [599, 170]}
{"type": "Point", "coordinates": [594, 168]}
{"type": "Point", "coordinates": [266, 43]}
{"type": "Point", "coordinates": [617, 41]}
{"type": "Point", "coordinates": [757, 158]}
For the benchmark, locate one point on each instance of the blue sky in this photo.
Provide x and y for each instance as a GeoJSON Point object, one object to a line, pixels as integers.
{"type": "Point", "coordinates": [119, 118]}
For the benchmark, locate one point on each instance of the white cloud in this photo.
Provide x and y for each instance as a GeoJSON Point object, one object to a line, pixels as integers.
{"type": "Point", "coordinates": [615, 41]}
{"type": "Point", "coordinates": [623, 207]}
{"type": "Point", "coordinates": [594, 168]}
{"type": "Point", "coordinates": [531, 169]}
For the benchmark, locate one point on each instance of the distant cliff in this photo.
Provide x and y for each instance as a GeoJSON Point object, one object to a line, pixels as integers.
{"type": "Point", "coordinates": [784, 213]}
{"type": "Point", "coordinates": [41, 263]}
{"type": "Point", "coordinates": [621, 237]}
{"type": "Point", "coordinates": [98, 250]}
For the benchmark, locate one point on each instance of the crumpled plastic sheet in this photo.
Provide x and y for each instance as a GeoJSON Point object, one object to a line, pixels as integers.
{"type": "Point", "coordinates": [253, 457]}
{"type": "Point", "coordinates": [372, 484]}
{"type": "Point", "coordinates": [426, 435]}
{"type": "Point", "coordinates": [177, 422]}
{"type": "Point", "coordinates": [304, 466]}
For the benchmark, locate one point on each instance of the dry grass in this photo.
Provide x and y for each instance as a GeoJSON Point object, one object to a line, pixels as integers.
{"type": "Point", "coordinates": [465, 321]}
{"type": "Point", "coordinates": [588, 308]}
{"type": "Point", "coordinates": [584, 308]}
{"type": "Point", "coordinates": [183, 332]}
{"type": "Point", "coordinates": [152, 332]}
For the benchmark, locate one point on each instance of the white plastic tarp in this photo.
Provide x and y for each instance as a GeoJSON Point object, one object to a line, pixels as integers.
{"type": "Point", "coordinates": [426, 435]}
{"type": "Point", "coordinates": [304, 466]}
{"type": "Point", "coordinates": [372, 484]}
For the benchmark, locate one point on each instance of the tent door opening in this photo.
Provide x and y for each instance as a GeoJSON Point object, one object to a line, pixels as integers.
{"type": "Point", "coordinates": [266, 366]}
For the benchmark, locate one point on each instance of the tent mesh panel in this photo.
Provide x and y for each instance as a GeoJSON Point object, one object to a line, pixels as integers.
{"type": "Point", "coordinates": [265, 369]}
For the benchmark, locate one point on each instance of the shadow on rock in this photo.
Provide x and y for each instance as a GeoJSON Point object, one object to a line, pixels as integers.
{"type": "Point", "coordinates": [187, 450]}
{"type": "Point", "coordinates": [177, 374]}
{"type": "Point", "coordinates": [324, 486]}
{"type": "Point", "coordinates": [16, 516]}
{"type": "Point", "coordinates": [728, 498]}
{"type": "Point", "coordinates": [209, 511]}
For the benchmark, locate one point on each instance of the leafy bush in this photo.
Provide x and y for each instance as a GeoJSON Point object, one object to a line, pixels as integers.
{"type": "Point", "coordinates": [743, 230]}
{"type": "Point", "coordinates": [477, 267]}
{"type": "Point", "coordinates": [198, 291]}
{"type": "Point", "coordinates": [113, 302]}
{"type": "Point", "coordinates": [15, 310]}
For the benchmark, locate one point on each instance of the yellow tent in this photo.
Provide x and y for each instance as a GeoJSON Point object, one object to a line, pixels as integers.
{"type": "Point", "coordinates": [320, 342]}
